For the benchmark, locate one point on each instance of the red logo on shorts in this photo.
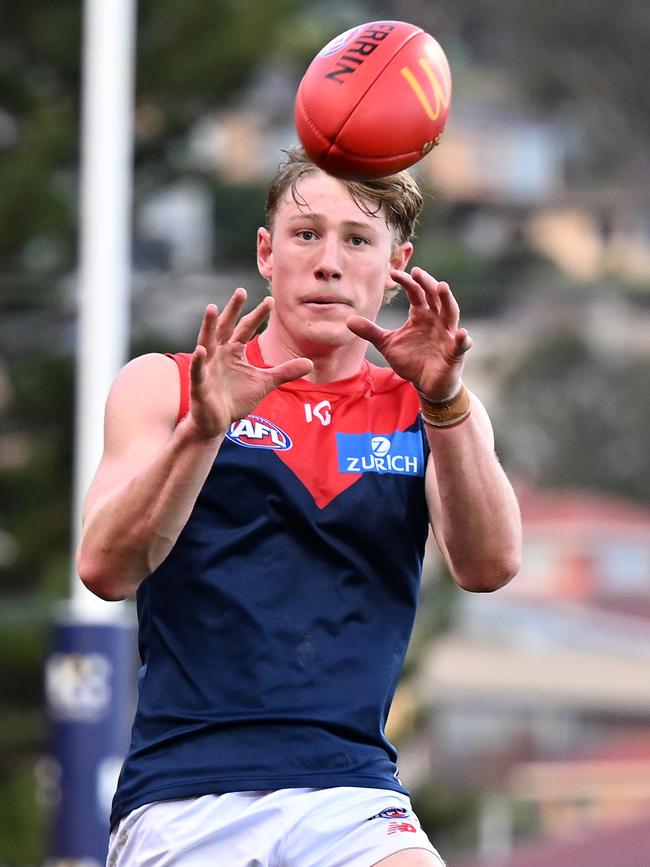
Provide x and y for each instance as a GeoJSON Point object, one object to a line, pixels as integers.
{"type": "Point", "coordinates": [394, 827]}
{"type": "Point", "coordinates": [392, 813]}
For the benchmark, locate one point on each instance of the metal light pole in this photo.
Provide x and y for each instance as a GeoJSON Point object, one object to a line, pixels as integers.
{"type": "Point", "coordinates": [89, 671]}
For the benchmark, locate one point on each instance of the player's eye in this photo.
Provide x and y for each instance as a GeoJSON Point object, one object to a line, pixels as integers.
{"type": "Point", "coordinates": [306, 234]}
{"type": "Point", "coordinates": [358, 241]}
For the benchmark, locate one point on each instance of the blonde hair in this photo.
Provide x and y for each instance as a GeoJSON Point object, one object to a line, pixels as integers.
{"type": "Point", "coordinates": [397, 196]}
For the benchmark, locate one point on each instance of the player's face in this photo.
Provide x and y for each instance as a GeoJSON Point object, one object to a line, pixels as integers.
{"type": "Point", "coordinates": [327, 260]}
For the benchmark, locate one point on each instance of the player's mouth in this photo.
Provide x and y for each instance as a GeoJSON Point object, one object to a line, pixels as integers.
{"type": "Point", "coordinates": [327, 301]}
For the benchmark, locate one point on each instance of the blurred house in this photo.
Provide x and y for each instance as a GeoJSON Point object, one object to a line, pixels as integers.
{"type": "Point", "coordinates": [243, 143]}
{"type": "Point", "coordinates": [555, 662]}
{"type": "Point", "coordinates": [538, 697]}
{"type": "Point", "coordinates": [603, 785]}
{"type": "Point", "coordinates": [624, 845]}
{"type": "Point", "coordinates": [505, 167]}
{"type": "Point", "coordinates": [591, 235]}
{"type": "Point", "coordinates": [174, 229]}
{"type": "Point", "coordinates": [496, 154]}
{"type": "Point", "coordinates": [514, 167]}
{"type": "Point", "coordinates": [585, 547]}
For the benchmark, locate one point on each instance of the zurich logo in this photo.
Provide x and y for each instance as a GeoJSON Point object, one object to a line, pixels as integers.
{"type": "Point", "coordinates": [254, 432]}
{"type": "Point", "coordinates": [380, 446]}
{"type": "Point", "coordinates": [400, 452]}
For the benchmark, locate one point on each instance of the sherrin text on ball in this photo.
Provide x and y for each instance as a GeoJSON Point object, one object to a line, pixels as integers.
{"type": "Point", "coordinates": [374, 100]}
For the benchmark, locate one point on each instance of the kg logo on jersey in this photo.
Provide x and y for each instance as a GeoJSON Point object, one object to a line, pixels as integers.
{"type": "Point", "coordinates": [400, 453]}
{"type": "Point", "coordinates": [254, 432]}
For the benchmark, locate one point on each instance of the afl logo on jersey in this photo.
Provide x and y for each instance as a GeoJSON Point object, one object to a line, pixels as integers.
{"type": "Point", "coordinates": [254, 432]}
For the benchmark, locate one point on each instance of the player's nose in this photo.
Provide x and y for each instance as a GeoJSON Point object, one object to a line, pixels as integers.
{"type": "Point", "coordinates": [327, 264]}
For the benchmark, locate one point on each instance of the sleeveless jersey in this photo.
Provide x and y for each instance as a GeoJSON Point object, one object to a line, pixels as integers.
{"type": "Point", "coordinates": [273, 635]}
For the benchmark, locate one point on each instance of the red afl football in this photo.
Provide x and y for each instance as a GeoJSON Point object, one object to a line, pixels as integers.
{"type": "Point", "coordinates": [374, 100]}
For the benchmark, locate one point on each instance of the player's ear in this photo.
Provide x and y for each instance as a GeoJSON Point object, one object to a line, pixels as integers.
{"type": "Point", "coordinates": [264, 253]}
{"type": "Point", "coordinates": [400, 256]}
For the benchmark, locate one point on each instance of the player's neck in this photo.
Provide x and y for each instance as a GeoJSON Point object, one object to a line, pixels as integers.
{"type": "Point", "coordinates": [331, 363]}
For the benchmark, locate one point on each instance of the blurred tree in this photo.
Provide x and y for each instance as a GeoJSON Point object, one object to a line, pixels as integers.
{"type": "Point", "coordinates": [485, 284]}
{"type": "Point", "coordinates": [584, 62]}
{"type": "Point", "coordinates": [39, 72]}
{"type": "Point", "coordinates": [448, 817]}
{"type": "Point", "coordinates": [577, 418]}
{"type": "Point", "coordinates": [238, 209]}
{"type": "Point", "coordinates": [192, 56]}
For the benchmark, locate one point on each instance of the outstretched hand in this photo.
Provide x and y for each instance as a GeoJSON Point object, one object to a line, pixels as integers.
{"type": "Point", "coordinates": [224, 387]}
{"type": "Point", "coordinates": [429, 348]}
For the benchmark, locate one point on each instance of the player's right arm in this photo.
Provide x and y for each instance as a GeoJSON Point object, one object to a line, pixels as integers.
{"type": "Point", "coordinates": [153, 469]}
{"type": "Point", "coordinates": [147, 482]}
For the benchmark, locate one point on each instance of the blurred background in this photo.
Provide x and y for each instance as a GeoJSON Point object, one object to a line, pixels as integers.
{"type": "Point", "coordinates": [523, 717]}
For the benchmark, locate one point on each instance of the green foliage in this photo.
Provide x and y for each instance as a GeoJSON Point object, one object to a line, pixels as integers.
{"type": "Point", "coordinates": [36, 492]}
{"type": "Point", "coordinates": [194, 57]}
{"type": "Point", "coordinates": [35, 511]}
{"type": "Point", "coordinates": [39, 73]}
{"type": "Point", "coordinates": [209, 61]}
{"type": "Point", "coordinates": [238, 211]}
{"type": "Point", "coordinates": [484, 284]}
{"type": "Point", "coordinates": [449, 817]}
{"type": "Point", "coordinates": [591, 53]}
{"type": "Point", "coordinates": [584, 62]}
{"type": "Point", "coordinates": [21, 824]}
{"type": "Point", "coordinates": [23, 643]}
{"type": "Point", "coordinates": [188, 63]}
{"type": "Point", "coordinates": [437, 606]}
{"type": "Point", "coordinates": [576, 418]}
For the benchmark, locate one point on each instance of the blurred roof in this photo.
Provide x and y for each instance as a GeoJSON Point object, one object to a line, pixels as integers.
{"type": "Point", "coordinates": [622, 845]}
{"type": "Point", "coordinates": [539, 506]}
{"type": "Point", "coordinates": [633, 747]}
{"type": "Point", "coordinates": [541, 673]}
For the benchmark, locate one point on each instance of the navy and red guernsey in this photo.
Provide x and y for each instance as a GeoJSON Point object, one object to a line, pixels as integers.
{"type": "Point", "coordinates": [273, 635]}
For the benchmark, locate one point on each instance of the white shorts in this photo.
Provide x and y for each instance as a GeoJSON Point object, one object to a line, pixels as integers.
{"type": "Point", "coordinates": [338, 827]}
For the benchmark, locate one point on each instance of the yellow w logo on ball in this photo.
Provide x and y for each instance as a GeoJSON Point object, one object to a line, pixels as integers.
{"type": "Point", "coordinates": [441, 89]}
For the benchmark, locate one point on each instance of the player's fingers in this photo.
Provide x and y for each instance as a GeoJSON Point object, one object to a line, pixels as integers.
{"type": "Point", "coordinates": [449, 309]}
{"type": "Point", "coordinates": [429, 286]}
{"type": "Point", "coordinates": [295, 368]}
{"type": "Point", "coordinates": [463, 341]}
{"type": "Point", "coordinates": [414, 291]}
{"type": "Point", "coordinates": [207, 337]}
{"type": "Point", "coordinates": [248, 324]}
{"type": "Point", "coordinates": [367, 330]}
{"type": "Point", "coordinates": [197, 365]}
{"type": "Point", "coordinates": [419, 299]}
{"type": "Point", "coordinates": [230, 314]}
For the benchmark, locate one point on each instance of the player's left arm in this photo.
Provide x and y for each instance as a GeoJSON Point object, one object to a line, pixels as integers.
{"type": "Point", "coordinates": [473, 509]}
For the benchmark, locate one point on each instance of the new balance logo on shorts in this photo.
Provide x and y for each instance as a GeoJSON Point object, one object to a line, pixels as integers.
{"type": "Point", "coordinates": [399, 827]}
